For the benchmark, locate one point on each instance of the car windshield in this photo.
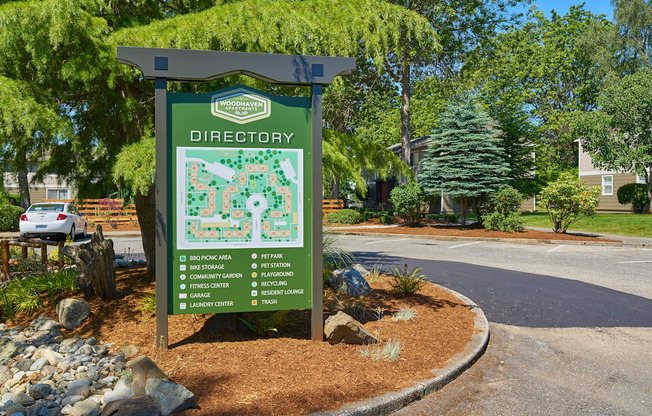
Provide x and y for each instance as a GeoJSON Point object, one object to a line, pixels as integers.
{"type": "Point", "coordinates": [46, 208]}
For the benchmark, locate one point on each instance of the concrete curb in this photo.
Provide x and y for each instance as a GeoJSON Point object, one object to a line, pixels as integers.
{"type": "Point", "coordinates": [455, 366]}
{"type": "Point", "coordinates": [504, 240]}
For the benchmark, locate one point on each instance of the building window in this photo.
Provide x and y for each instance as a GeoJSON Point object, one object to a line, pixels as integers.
{"type": "Point", "coordinates": [640, 179]}
{"type": "Point", "coordinates": [57, 194]}
{"type": "Point", "coordinates": [607, 185]}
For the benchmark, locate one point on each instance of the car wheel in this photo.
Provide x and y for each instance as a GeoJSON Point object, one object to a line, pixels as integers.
{"type": "Point", "coordinates": [72, 233]}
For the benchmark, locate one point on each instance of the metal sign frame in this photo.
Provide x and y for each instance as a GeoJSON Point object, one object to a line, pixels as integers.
{"type": "Point", "coordinates": [163, 65]}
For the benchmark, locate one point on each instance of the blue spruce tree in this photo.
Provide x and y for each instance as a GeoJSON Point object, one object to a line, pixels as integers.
{"type": "Point", "coordinates": [465, 159]}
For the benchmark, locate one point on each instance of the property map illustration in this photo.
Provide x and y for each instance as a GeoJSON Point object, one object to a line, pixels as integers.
{"type": "Point", "coordinates": [234, 197]}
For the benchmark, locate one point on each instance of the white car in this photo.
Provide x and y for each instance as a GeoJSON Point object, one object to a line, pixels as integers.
{"type": "Point", "coordinates": [52, 219]}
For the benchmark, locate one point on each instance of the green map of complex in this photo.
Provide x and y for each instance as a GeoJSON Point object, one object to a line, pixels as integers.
{"type": "Point", "coordinates": [235, 197]}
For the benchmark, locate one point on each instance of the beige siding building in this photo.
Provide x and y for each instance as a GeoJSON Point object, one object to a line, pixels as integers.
{"type": "Point", "coordinates": [52, 187]}
{"type": "Point", "coordinates": [609, 181]}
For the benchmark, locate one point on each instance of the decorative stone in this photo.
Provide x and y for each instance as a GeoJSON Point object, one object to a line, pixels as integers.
{"type": "Point", "coordinates": [142, 369]}
{"type": "Point", "coordinates": [118, 394]}
{"type": "Point", "coordinates": [15, 409]}
{"type": "Point", "coordinates": [129, 351]}
{"type": "Point", "coordinates": [5, 374]}
{"type": "Point", "coordinates": [20, 338]}
{"type": "Point", "coordinates": [8, 349]}
{"type": "Point", "coordinates": [350, 282]}
{"type": "Point", "coordinates": [343, 328]}
{"type": "Point", "coordinates": [79, 387]}
{"type": "Point", "coordinates": [24, 399]}
{"type": "Point", "coordinates": [71, 400]}
{"type": "Point", "coordinates": [24, 365]}
{"type": "Point", "coordinates": [134, 406]}
{"type": "Point", "coordinates": [171, 397]}
{"type": "Point", "coordinates": [43, 323]}
{"type": "Point", "coordinates": [86, 407]}
{"type": "Point", "coordinates": [363, 272]}
{"type": "Point", "coordinates": [39, 391]}
{"type": "Point", "coordinates": [53, 357]}
{"type": "Point", "coordinates": [39, 364]}
{"type": "Point", "coordinates": [72, 312]}
{"type": "Point", "coordinates": [39, 409]}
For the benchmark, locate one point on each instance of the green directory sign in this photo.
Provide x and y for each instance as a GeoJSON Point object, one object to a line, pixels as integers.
{"type": "Point", "coordinates": [239, 195]}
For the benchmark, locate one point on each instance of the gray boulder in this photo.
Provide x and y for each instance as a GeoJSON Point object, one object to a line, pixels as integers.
{"type": "Point", "coordinates": [118, 394]}
{"type": "Point", "coordinates": [72, 312]}
{"type": "Point", "coordinates": [24, 399]}
{"type": "Point", "coordinates": [133, 406]}
{"type": "Point", "coordinates": [129, 351]}
{"type": "Point", "coordinates": [171, 397]}
{"type": "Point", "coordinates": [350, 282]}
{"type": "Point", "coordinates": [39, 391]}
{"type": "Point", "coordinates": [23, 365]}
{"type": "Point", "coordinates": [79, 387]}
{"type": "Point", "coordinates": [364, 272]}
{"type": "Point", "coordinates": [8, 349]}
{"type": "Point", "coordinates": [342, 328]}
{"type": "Point", "coordinates": [142, 369]}
{"type": "Point", "coordinates": [15, 409]}
{"type": "Point", "coordinates": [5, 374]}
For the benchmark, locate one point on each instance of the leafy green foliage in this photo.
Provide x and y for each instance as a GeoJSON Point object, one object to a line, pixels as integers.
{"type": "Point", "coordinates": [9, 217]}
{"type": "Point", "coordinates": [136, 165]}
{"type": "Point", "coordinates": [345, 216]}
{"type": "Point", "coordinates": [266, 323]}
{"type": "Point", "coordinates": [24, 295]}
{"type": "Point", "coordinates": [386, 219]}
{"type": "Point", "coordinates": [618, 135]}
{"type": "Point", "coordinates": [633, 40]}
{"type": "Point", "coordinates": [567, 200]}
{"type": "Point", "coordinates": [500, 210]}
{"type": "Point", "coordinates": [148, 303]}
{"type": "Point", "coordinates": [409, 202]}
{"type": "Point", "coordinates": [464, 159]}
{"type": "Point", "coordinates": [405, 282]}
{"type": "Point", "coordinates": [635, 194]}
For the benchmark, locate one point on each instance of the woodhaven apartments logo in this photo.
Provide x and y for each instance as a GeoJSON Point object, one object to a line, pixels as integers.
{"type": "Point", "coordinates": [240, 106]}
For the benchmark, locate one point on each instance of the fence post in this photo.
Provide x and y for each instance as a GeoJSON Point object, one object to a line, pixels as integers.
{"type": "Point", "coordinates": [25, 248]}
{"type": "Point", "coordinates": [60, 246]}
{"type": "Point", "coordinates": [5, 258]}
{"type": "Point", "coordinates": [44, 254]}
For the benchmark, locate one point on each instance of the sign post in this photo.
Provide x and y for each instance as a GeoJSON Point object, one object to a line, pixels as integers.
{"type": "Point", "coordinates": [238, 184]}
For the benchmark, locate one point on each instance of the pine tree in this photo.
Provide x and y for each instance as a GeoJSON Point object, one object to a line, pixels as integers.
{"type": "Point", "coordinates": [464, 159]}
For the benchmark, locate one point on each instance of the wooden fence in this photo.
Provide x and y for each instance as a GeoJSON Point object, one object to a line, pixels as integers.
{"type": "Point", "coordinates": [26, 245]}
{"type": "Point", "coordinates": [104, 211]}
{"type": "Point", "coordinates": [332, 205]}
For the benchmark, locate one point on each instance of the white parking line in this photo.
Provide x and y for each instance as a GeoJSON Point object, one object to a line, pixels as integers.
{"type": "Point", "coordinates": [385, 241]}
{"type": "Point", "coordinates": [466, 244]}
{"type": "Point", "coordinates": [556, 248]}
{"type": "Point", "coordinates": [635, 261]}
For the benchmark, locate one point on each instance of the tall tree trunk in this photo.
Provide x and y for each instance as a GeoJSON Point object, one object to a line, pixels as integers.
{"type": "Point", "coordinates": [463, 209]}
{"type": "Point", "coordinates": [335, 189]}
{"type": "Point", "coordinates": [23, 183]}
{"type": "Point", "coordinates": [146, 211]}
{"type": "Point", "coordinates": [406, 93]}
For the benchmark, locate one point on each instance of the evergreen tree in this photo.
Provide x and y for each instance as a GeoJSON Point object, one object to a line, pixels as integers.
{"type": "Point", "coordinates": [464, 159]}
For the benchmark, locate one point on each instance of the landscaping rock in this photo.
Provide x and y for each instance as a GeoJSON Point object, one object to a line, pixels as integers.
{"type": "Point", "coordinates": [343, 328]}
{"type": "Point", "coordinates": [43, 323]}
{"type": "Point", "coordinates": [53, 357]}
{"type": "Point", "coordinates": [86, 407]}
{"type": "Point", "coordinates": [118, 394]}
{"type": "Point", "coordinates": [39, 391]}
{"type": "Point", "coordinates": [24, 399]}
{"type": "Point", "coordinates": [5, 374]}
{"type": "Point", "coordinates": [8, 349]}
{"type": "Point", "coordinates": [72, 312]}
{"type": "Point", "coordinates": [350, 282]}
{"type": "Point", "coordinates": [134, 406]}
{"type": "Point", "coordinates": [171, 397]}
{"type": "Point", "coordinates": [142, 369]}
{"type": "Point", "coordinates": [15, 409]}
{"type": "Point", "coordinates": [24, 365]}
{"type": "Point", "coordinates": [79, 387]}
{"type": "Point", "coordinates": [129, 351]}
{"type": "Point", "coordinates": [363, 272]}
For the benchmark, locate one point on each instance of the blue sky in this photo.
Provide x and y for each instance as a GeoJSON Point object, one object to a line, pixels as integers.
{"type": "Point", "coordinates": [562, 6]}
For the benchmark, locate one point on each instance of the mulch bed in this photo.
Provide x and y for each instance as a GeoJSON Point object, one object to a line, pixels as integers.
{"type": "Point", "coordinates": [243, 374]}
{"type": "Point", "coordinates": [439, 228]}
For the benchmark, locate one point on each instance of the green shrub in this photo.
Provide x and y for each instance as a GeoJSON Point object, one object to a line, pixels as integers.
{"type": "Point", "coordinates": [9, 199]}
{"type": "Point", "coordinates": [409, 202]}
{"type": "Point", "coordinates": [345, 216]}
{"type": "Point", "coordinates": [9, 217]}
{"type": "Point", "coordinates": [148, 304]}
{"type": "Point", "coordinates": [500, 210]}
{"type": "Point", "coordinates": [386, 219]}
{"type": "Point", "coordinates": [635, 194]}
{"type": "Point", "coordinates": [497, 221]}
{"type": "Point", "coordinates": [405, 282]}
{"type": "Point", "coordinates": [24, 295]}
{"type": "Point", "coordinates": [266, 323]}
{"type": "Point", "coordinates": [567, 200]}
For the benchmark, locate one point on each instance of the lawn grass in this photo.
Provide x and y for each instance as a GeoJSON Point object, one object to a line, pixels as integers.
{"type": "Point", "coordinates": [634, 225]}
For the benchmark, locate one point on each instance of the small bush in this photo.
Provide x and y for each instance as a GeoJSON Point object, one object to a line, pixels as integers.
{"type": "Point", "coordinates": [405, 313]}
{"type": "Point", "coordinates": [409, 202]}
{"type": "Point", "coordinates": [345, 216]}
{"type": "Point", "coordinates": [265, 323]}
{"type": "Point", "coordinates": [24, 295]}
{"type": "Point", "coordinates": [567, 200]}
{"type": "Point", "coordinates": [10, 199]}
{"type": "Point", "coordinates": [390, 351]}
{"type": "Point", "coordinates": [9, 217]}
{"type": "Point", "coordinates": [148, 303]}
{"type": "Point", "coordinates": [635, 194]}
{"type": "Point", "coordinates": [500, 210]}
{"type": "Point", "coordinates": [405, 282]}
{"type": "Point", "coordinates": [386, 219]}
{"type": "Point", "coordinates": [512, 222]}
